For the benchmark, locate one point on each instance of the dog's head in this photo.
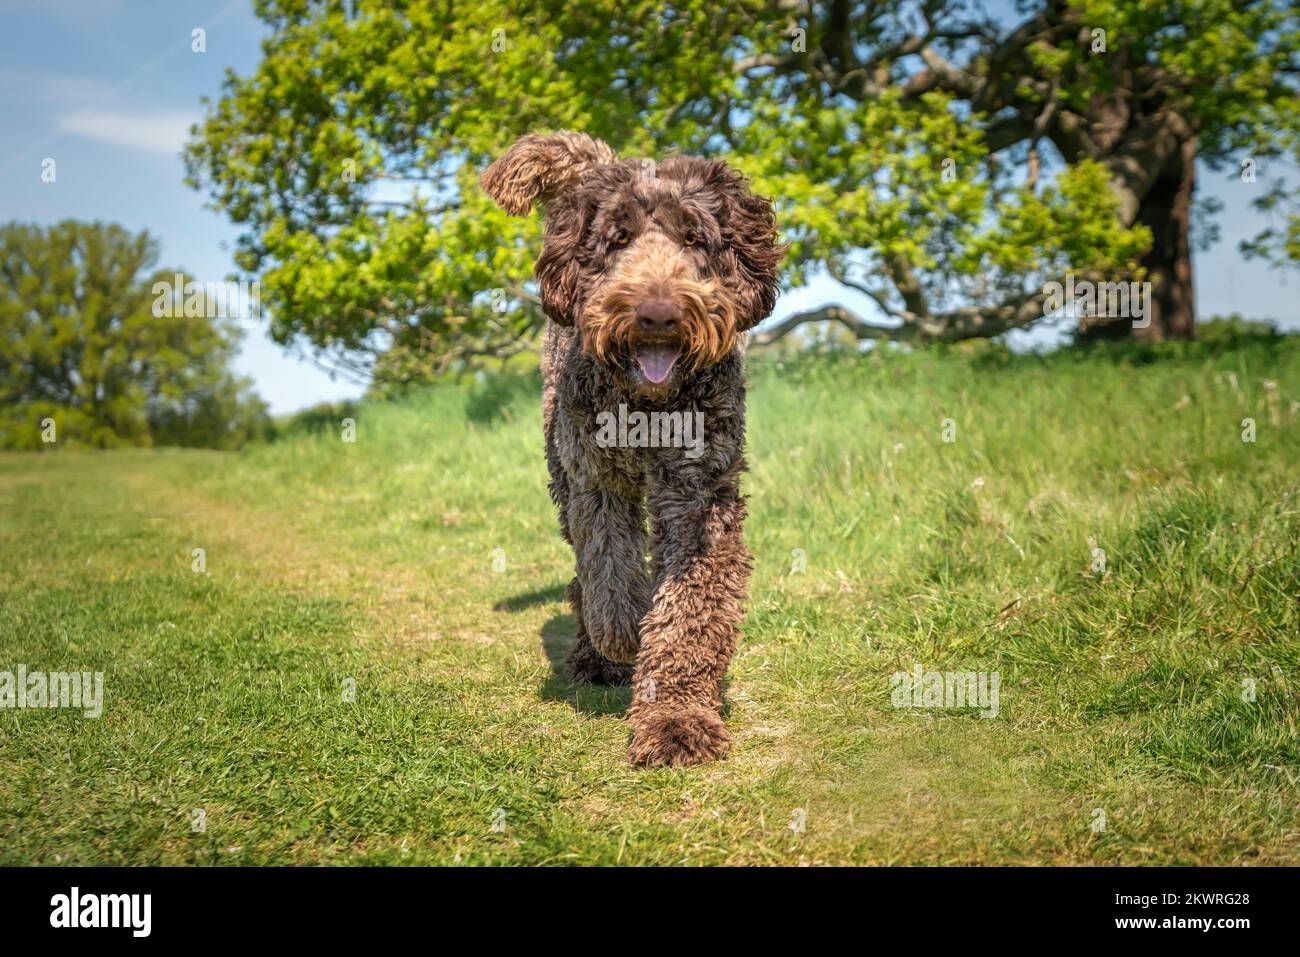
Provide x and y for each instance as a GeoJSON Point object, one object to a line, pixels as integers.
{"type": "Point", "coordinates": [659, 265]}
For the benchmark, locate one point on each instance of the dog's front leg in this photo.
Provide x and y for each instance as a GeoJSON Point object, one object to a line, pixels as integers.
{"type": "Point", "coordinates": [689, 634]}
{"type": "Point", "coordinates": [609, 541]}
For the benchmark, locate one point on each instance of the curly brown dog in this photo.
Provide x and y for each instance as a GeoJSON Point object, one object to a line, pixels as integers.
{"type": "Point", "coordinates": [650, 274]}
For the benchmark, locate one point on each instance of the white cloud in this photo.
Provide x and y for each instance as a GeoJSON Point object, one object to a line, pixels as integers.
{"type": "Point", "coordinates": [153, 133]}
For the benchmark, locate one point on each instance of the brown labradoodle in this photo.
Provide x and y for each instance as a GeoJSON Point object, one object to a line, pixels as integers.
{"type": "Point", "coordinates": [650, 274]}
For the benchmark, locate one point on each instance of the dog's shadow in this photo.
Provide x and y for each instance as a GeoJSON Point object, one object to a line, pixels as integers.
{"type": "Point", "coordinates": [596, 701]}
{"type": "Point", "coordinates": [531, 599]}
{"type": "Point", "coordinates": [558, 635]}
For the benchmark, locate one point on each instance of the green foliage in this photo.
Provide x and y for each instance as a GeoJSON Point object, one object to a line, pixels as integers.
{"type": "Point", "coordinates": [349, 156]}
{"type": "Point", "coordinates": [320, 419]}
{"type": "Point", "coordinates": [861, 185]}
{"type": "Point", "coordinates": [82, 347]}
{"type": "Point", "coordinates": [1230, 68]}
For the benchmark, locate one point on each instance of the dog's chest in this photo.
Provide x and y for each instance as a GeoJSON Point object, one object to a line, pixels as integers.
{"type": "Point", "coordinates": [618, 443]}
{"type": "Point", "coordinates": [606, 436]}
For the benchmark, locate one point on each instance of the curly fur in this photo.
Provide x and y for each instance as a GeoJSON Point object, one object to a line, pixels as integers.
{"type": "Point", "coordinates": [619, 234]}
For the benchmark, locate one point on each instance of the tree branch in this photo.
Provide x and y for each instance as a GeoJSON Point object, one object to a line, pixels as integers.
{"type": "Point", "coordinates": [969, 322]}
{"type": "Point", "coordinates": [832, 313]}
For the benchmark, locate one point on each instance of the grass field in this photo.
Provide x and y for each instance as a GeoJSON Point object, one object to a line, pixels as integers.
{"type": "Point", "coordinates": [1125, 692]}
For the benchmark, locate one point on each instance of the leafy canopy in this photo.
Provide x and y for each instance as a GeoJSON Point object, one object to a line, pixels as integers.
{"type": "Point", "coordinates": [896, 139]}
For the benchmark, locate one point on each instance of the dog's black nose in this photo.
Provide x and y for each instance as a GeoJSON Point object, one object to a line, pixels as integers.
{"type": "Point", "coordinates": [657, 315]}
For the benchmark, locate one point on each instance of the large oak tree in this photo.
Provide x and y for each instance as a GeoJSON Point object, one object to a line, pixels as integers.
{"type": "Point", "coordinates": [945, 162]}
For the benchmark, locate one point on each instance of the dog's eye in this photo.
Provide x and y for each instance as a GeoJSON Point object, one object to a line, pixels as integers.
{"type": "Point", "coordinates": [622, 239]}
{"type": "Point", "coordinates": [689, 239]}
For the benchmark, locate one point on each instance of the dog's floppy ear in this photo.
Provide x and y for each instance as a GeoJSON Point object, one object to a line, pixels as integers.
{"type": "Point", "coordinates": [558, 270]}
{"type": "Point", "coordinates": [540, 167]}
{"type": "Point", "coordinates": [750, 243]}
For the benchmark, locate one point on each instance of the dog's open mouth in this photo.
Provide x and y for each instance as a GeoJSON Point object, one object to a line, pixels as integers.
{"type": "Point", "coordinates": [656, 360]}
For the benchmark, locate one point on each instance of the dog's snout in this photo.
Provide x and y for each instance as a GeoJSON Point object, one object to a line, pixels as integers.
{"type": "Point", "coordinates": [658, 315]}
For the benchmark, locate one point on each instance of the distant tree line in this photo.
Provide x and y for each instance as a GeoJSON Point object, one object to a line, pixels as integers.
{"type": "Point", "coordinates": [85, 361]}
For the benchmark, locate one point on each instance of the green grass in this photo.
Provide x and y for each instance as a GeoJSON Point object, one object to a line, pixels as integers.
{"type": "Point", "coordinates": [372, 561]}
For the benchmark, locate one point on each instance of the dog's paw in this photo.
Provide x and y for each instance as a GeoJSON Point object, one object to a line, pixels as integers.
{"type": "Point", "coordinates": [678, 736]}
{"type": "Point", "coordinates": [585, 665]}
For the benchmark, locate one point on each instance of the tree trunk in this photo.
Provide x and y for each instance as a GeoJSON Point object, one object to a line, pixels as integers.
{"type": "Point", "coordinates": [1167, 211]}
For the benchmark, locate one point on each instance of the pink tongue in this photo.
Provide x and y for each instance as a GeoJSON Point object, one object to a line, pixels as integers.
{"type": "Point", "coordinates": [656, 362]}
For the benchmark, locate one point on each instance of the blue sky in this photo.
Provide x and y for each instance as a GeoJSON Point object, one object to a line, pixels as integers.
{"type": "Point", "coordinates": [108, 88]}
